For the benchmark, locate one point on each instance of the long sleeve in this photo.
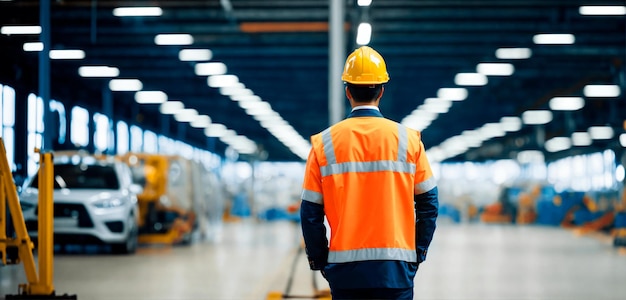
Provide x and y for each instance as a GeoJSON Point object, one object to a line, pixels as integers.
{"type": "Point", "coordinates": [427, 210]}
{"type": "Point", "coordinates": [314, 232]}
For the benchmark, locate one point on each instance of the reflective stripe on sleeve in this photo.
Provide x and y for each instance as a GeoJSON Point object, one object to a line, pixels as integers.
{"type": "Point", "coordinates": [372, 254]}
{"type": "Point", "coordinates": [329, 149]}
{"type": "Point", "coordinates": [425, 186]}
{"type": "Point", "coordinates": [312, 196]}
{"type": "Point", "coordinates": [368, 166]}
{"type": "Point", "coordinates": [403, 143]}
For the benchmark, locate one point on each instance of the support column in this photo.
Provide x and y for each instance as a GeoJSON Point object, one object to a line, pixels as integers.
{"type": "Point", "coordinates": [336, 55]}
{"type": "Point", "coordinates": [44, 73]}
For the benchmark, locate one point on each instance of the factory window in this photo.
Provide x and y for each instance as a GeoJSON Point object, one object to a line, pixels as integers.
{"type": "Point", "coordinates": [591, 172]}
{"type": "Point", "coordinates": [59, 108]}
{"type": "Point", "coordinates": [166, 145]}
{"type": "Point", "coordinates": [7, 121]}
{"type": "Point", "coordinates": [35, 128]}
{"type": "Point", "coordinates": [150, 142]}
{"type": "Point", "coordinates": [136, 139]}
{"type": "Point", "coordinates": [122, 137]}
{"type": "Point", "coordinates": [103, 133]}
{"type": "Point", "coordinates": [79, 134]}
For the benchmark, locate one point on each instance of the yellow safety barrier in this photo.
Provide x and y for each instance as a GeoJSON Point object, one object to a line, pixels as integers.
{"type": "Point", "coordinates": [39, 284]}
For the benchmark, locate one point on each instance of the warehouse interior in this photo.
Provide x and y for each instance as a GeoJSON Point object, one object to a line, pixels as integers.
{"type": "Point", "coordinates": [203, 110]}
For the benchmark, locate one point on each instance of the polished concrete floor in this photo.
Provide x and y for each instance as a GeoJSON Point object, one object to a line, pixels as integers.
{"type": "Point", "coordinates": [471, 261]}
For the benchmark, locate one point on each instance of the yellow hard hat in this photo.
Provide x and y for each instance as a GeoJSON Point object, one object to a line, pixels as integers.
{"type": "Point", "coordinates": [365, 66]}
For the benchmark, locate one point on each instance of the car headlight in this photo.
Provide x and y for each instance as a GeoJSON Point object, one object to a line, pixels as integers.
{"type": "Point", "coordinates": [108, 203]}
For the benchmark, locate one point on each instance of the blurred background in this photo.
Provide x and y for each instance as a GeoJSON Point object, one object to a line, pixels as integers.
{"type": "Point", "coordinates": [208, 106]}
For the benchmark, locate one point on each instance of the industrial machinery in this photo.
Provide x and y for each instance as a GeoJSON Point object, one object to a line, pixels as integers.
{"type": "Point", "coordinates": [20, 247]}
{"type": "Point", "coordinates": [180, 199]}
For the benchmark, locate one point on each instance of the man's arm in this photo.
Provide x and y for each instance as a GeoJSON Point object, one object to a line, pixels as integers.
{"type": "Point", "coordinates": [427, 209]}
{"type": "Point", "coordinates": [314, 232]}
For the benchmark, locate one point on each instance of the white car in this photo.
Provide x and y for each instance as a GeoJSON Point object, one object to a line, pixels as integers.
{"type": "Point", "coordinates": [94, 203]}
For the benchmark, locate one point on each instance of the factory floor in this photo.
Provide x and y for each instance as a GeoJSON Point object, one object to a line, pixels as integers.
{"type": "Point", "coordinates": [470, 261]}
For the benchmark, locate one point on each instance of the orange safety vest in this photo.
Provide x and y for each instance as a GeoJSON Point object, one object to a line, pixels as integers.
{"type": "Point", "coordinates": [365, 172]}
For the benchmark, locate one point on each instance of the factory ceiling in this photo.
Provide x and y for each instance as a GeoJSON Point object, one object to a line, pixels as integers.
{"type": "Point", "coordinates": [279, 50]}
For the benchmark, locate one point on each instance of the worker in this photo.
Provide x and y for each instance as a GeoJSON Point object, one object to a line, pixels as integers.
{"type": "Point", "coordinates": [370, 178]}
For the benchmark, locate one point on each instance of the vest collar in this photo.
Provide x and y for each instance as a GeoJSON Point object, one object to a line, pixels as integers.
{"type": "Point", "coordinates": [365, 112]}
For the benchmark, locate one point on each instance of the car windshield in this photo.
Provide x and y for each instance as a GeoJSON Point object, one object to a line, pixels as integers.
{"type": "Point", "coordinates": [83, 177]}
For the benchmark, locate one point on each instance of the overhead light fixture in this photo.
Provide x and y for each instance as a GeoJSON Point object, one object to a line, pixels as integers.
{"type": "Point", "coordinates": [452, 94]}
{"type": "Point", "coordinates": [201, 121]}
{"type": "Point", "coordinates": [364, 2]}
{"type": "Point", "coordinates": [236, 91]}
{"type": "Point", "coordinates": [470, 79]}
{"type": "Point", "coordinates": [557, 144]}
{"type": "Point", "coordinates": [17, 29]}
{"type": "Point", "coordinates": [173, 39]}
{"type": "Point", "coordinates": [33, 46]}
{"type": "Point", "coordinates": [436, 105]}
{"type": "Point", "coordinates": [218, 81]}
{"type": "Point", "coordinates": [364, 34]}
{"type": "Point", "coordinates": [186, 115]}
{"type": "Point", "coordinates": [195, 54]}
{"type": "Point", "coordinates": [511, 124]}
{"type": "Point", "coordinates": [98, 71]}
{"type": "Point", "coordinates": [514, 53]}
{"type": "Point", "coordinates": [567, 103]}
{"type": "Point", "coordinates": [137, 12]}
{"type": "Point", "coordinates": [171, 107]}
{"type": "Point", "coordinates": [210, 68]}
{"type": "Point", "coordinates": [622, 139]}
{"type": "Point", "coordinates": [536, 117]}
{"type": "Point", "coordinates": [150, 97]}
{"type": "Point", "coordinates": [581, 138]}
{"type": "Point", "coordinates": [554, 39]}
{"type": "Point", "coordinates": [495, 69]}
{"type": "Point", "coordinates": [67, 54]}
{"type": "Point", "coordinates": [601, 90]}
{"type": "Point", "coordinates": [530, 156]}
{"type": "Point", "coordinates": [215, 130]}
{"type": "Point", "coordinates": [125, 85]}
{"type": "Point", "coordinates": [601, 132]}
{"type": "Point", "coordinates": [244, 98]}
{"type": "Point", "coordinates": [615, 10]}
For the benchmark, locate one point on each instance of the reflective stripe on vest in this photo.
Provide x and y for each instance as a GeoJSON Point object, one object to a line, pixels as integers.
{"type": "Point", "coordinates": [372, 254]}
{"type": "Point", "coordinates": [312, 196]}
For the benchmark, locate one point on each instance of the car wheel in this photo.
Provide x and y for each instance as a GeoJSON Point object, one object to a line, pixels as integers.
{"type": "Point", "coordinates": [130, 245]}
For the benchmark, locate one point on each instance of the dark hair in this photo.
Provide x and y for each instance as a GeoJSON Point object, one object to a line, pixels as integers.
{"type": "Point", "coordinates": [364, 93]}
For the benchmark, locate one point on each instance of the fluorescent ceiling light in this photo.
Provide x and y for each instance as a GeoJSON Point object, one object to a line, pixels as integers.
{"type": "Point", "coordinates": [452, 94]}
{"type": "Point", "coordinates": [254, 105]}
{"type": "Point", "coordinates": [186, 115]}
{"type": "Point", "coordinates": [567, 103]}
{"type": "Point", "coordinates": [364, 34]}
{"type": "Point", "coordinates": [436, 105]}
{"type": "Point", "coordinates": [491, 130]}
{"type": "Point", "coordinates": [600, 132]}
{"type": "Point", "coordinates": [557, 144]}
{"type": "Point", "coordinates": [236, 91]}
{"type": "Point", "coordinates": [495, 69]}
{"type": "Point", "coordinates": [581, 138]}
{"type": "Point", "coordinates": [601, 90]}
{"type": "Point", "coordinates": [8, 30]}
{"type": "Point", "coordinates": [622, 139]}
{"type": "Point", "coordinates": [554, 39]}
{"type": "Point", "coordinates": [514, 53]}
{"type": "Point", "coordinates": [511, 124]}
{"type": "Point", "coordinates": [128, 85]}
{"type": "Point", "coordinates": [602, 10]}
{"type": "Point", "coordinates": [364, 2]}
{"type": "Point", "coordinates": [150, 97]}
{"type": "Point", "coordinates": [470, 79]}
{"type": "Point", "coordinates": [201, 121]}
{"type": "Point", "coordinates": [137, 11]}
{"type": "Point", "coordinates": [33, 46]}
{"type": "Point", "coordinates": [67, 54]}
{"type": "Point", "coordinates": [173, 39]}
{"type": "Point", "coordinates": [195, 54]}
{"type": "Point", "coordinates": [217, 81]}
{"type": "Point", "coordinates": [98, 71]}
{"type": "Point", "coordinates": [171, 107]}
{"type": "Point", "coordinates": [536, 117]}
{"type": "Point", "coordinates": [530, 156]}
{"type": "Point", "coordinates": [210, 68]}
{"type": "Point", "coordinates": [215, 130]}
{"type": "Point", "coordinates": [244, 98]}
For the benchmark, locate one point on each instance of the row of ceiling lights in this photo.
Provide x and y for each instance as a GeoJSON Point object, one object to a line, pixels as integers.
{"type": "Point", "coordinates": [228, 85]}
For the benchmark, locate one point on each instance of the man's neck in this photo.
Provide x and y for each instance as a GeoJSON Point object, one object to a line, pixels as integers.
{"type": "Point", "coordinates": [365, 106]}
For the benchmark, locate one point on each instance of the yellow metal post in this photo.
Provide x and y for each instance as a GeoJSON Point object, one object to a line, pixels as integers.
{"type": "Point", "coordinates": [46, 226]}
{"type": "Point", "coordinates": [3, 223]}
{"type": "Point", "coordinates": [23, 242]}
